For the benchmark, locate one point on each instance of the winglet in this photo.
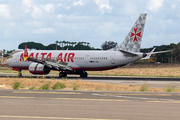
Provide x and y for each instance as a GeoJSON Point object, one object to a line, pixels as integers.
{"type": "Point", "coordinates": [25, 53]}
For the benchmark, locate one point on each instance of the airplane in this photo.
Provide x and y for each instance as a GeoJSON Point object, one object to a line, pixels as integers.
{"type": "Point", "coordinates": [79, 61]}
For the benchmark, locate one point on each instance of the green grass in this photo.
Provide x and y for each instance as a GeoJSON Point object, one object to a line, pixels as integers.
{"type": "Point", "coordinates": [131, 85]}
{"type": "Point", "coordinates": [58, 86]}
{"type": "Point", "coordinates": [75, 87]}
{"type": "Point", "coordinates": [32, 88]}
{"type": "Point", "coordinates": [144, 87]}
{"type": "Point", "coordinates": [16, 85]}
{"type": "Point", "coordinates": [44, 87]}
{"type": "Point", "coordinates": [170, 88]}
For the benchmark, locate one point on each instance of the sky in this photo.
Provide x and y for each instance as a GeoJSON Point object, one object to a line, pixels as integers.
{"type": "Point", "coordinates": [93, 21]}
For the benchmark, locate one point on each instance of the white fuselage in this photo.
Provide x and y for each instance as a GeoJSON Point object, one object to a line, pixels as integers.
{"type": "Point", "coordinates": [76, 59]}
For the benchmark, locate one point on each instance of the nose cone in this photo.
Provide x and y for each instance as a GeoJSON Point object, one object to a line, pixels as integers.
{"type": "Point", "coordinates": [8, 62]}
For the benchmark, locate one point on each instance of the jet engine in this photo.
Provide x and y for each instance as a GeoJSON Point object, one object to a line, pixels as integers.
{"type": "Point", "coordinates": [37, 68]}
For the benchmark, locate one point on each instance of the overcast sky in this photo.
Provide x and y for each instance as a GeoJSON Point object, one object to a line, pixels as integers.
{"type": "Point", "coordinates": [93, 21]}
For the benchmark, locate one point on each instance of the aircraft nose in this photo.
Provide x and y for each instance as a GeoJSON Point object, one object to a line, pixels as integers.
{"type": "Point", "coordinates": [7, 62]}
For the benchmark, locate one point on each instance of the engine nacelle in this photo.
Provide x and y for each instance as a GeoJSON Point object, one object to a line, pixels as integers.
{"type": "Point", "coordinates": [37, 68]}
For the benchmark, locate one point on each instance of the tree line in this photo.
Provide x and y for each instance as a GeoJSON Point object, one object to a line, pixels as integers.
{"type": "Point", "coordinates": [58, 45]}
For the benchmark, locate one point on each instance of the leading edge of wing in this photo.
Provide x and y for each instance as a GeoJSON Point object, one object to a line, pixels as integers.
{"type": "Point", "coordinates": [50, 63]}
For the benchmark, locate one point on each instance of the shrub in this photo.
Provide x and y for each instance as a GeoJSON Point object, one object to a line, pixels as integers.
{"type": "Point", "coordinates": [169, 88]}
{"type": "Point", "coordinates": [75, 87]}
{"type": "Point", "coordinates": [58, 86]}
{"type": "Point", "coordinates": [16, 85]}
{"type": "Point", "coordinates": [131, 85]}
{"type": "Point", "coordinates": [32, 88]}
{"type": "Point", "coordinates": [44, 87]}
{"type": "Point", "coordinates": [144, 87]}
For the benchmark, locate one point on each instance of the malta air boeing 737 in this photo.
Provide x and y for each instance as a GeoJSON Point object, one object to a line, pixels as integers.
{"type": "Point", "coordinates": [80, 61]}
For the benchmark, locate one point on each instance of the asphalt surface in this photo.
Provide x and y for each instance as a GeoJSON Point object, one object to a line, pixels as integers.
{"type": "Point", "coordinates": [79, 105]}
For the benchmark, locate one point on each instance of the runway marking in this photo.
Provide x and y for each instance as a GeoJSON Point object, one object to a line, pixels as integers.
{"type": "Point", "coordinates": [90, 99]}
{"type": "Point", "coordinates": [140, 94]}
{"type": "Point", "coordinates": [52, 118]}
{"type": "Point", "coordinates": [165, 101]}
{"type": "Point", "coordinates": [130, 97]}
{"type": "Point", "coordinates": [47, 92]}
{"type": "Point", "coordinates": [65, 98]}
{"type": "Point", "coordinates": [15, 97]}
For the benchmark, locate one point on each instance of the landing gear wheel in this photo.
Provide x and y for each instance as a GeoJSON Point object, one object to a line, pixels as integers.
{"type": "Point", "coordinates": [19, 73]}
{"type": "Point", "coordinates": [62, 74]}
{"type": "Point", "coordinates": [83, 74]}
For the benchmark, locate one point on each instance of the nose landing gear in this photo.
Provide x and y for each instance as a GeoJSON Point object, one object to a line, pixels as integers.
{"type": "Point", "coordinates": [19, 73]}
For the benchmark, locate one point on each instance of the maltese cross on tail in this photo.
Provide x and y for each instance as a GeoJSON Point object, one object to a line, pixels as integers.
{"type": "Point", "coordinates": [136, 34]}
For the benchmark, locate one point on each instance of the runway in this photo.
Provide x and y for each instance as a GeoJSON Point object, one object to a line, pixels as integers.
{"type": "Point", "coordinates": [80, 105]}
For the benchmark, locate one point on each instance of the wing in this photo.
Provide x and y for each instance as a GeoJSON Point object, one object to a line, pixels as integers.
{"type": "Point", "coordinates": [51, 63]}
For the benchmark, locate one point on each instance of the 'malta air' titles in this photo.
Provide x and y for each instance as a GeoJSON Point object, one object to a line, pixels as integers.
{"type": "Point", "coordinates": [67, 57]}
{"type": "Point", "coordinates": [80, 61]}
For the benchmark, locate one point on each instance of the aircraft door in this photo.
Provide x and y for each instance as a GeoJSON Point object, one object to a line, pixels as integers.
{"type": "Point", "coordinates": [87, 58]}
{"type": "Point", "coordinates": [112, 58]}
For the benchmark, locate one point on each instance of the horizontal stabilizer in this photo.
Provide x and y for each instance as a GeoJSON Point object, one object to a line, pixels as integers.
{"type": "Point", "coordinates": [162, 51]}
{"type": "Point", "coordinates": [127, 53]}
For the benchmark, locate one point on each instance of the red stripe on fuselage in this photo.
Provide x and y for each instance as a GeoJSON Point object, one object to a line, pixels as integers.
{"type": "Point", "coordinates": [79, 69]}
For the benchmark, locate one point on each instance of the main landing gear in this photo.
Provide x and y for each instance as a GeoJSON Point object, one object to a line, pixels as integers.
{"type": "Point", "coordinates": [83, 74]}
{"type": "Point", "coordinates": [19, 73]}
{"type": "Point", "coordinates": [62, 74]}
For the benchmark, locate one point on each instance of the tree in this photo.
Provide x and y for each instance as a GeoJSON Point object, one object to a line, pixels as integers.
{"type": "Point", "coordinates": [108, 45]}
{"type": "Point", "coordinates": [32, 45]}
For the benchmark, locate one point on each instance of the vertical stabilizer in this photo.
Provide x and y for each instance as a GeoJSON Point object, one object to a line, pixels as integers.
{"type": "Point", "coordinates": [132, 42]}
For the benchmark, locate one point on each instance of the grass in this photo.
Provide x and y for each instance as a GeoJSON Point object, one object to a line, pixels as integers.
{"type": "Point", "coordinates": [32, 88]}
{"type": "Point", "coordinates": [75, 87]}
{"type": "Point", "coordinates": [9, 83]}
{"type": "Point", "coordinates": [58, 86]}
{"type": "Point", "coordinates": [16, 85]}
{"type": "Point", "coordinates": [170, 88]}
{"type": "Point", "coordinates": [44, 87]}
{"type": "Point", "coordinates": [149, 71]}
{"type": "Point", "coordinates": [144, 87]}
{"type": "Point", "coordinates": [134, 75]}
{"type": "Point", "coordinates": [143, 71]}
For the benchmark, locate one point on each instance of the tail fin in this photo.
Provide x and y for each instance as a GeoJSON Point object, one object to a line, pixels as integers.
{"type": "Point", "coordinates": [132, 42]}
{"type": "Point", "coordinates": [25, 53]}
